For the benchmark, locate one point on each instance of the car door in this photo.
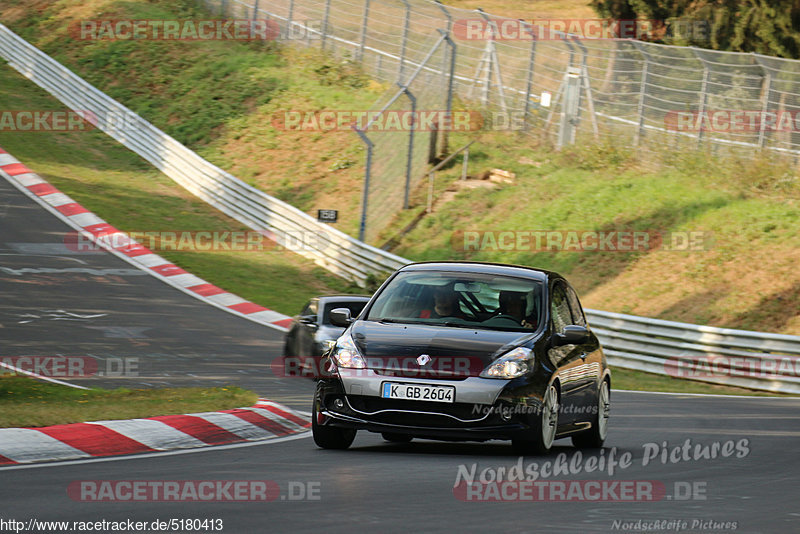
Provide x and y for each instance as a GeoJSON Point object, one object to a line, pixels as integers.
{"type": "Point", "coordinates": [567, 358]}
{"type": "Point", "coordinates": [590, 367]}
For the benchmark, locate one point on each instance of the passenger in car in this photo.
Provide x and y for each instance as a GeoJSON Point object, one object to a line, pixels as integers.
{"type": "Point", "coordinates": [445, 304]}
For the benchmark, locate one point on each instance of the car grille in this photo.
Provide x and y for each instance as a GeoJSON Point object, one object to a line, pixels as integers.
{"type": "Point", "coordinates": [435, 414]}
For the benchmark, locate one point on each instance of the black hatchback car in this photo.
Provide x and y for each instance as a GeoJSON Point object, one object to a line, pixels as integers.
{"type": "Point", "coordinates": [466, 352]}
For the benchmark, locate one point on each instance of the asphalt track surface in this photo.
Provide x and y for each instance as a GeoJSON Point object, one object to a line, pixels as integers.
{"type": "Point", "coordinates": [374, 486]}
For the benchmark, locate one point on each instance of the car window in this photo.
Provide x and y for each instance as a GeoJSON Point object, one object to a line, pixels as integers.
{"type": "Point", "coordinates": [460, 299]}
{"type": "Point", "coordinates": [311, 308]}
{"type": "Point", "coordinates": [559, 307]}
{"type": "Point", "coordinates": [354, 307]}
{"type": "Point", "coordinates": [577, 311]}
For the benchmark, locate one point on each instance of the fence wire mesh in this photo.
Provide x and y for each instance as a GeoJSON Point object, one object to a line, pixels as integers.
{"type": "Point", "coordinates": [630, 93]}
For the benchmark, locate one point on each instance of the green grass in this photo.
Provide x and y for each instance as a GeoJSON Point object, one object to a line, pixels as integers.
{"type": "Point", "coordinates": [25, 402]}
{"type": "Point", "coordinates": [747, 209]}
{"type": "Point", "coordinates": [127, 192]}
{"type": "Point", "coordinates": [220, 98]}
{"type": "Point", "coordinates": [639, 381]}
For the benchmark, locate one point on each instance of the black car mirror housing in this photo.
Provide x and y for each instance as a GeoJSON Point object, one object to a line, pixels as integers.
{"type": "Point", "coordinates": [572, 335]}
{"type": "Point", "coordinates": [341, 317]}
{"type": "Point", "coordinates": [308, 319]}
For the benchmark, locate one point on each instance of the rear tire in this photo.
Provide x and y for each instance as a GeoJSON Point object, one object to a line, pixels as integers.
{"type": "Point", "coordinates": [396, 438]}
{"type": "Point", "coordinates": [329, 437]}
{"type": "Point", "coordinates": [596, 436]}
{"type": "Point", "coordinates": [541, 439]}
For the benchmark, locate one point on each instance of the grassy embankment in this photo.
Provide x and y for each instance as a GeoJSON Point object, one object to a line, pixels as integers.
{"type": "Point", "coordinates": [25, 402]}
{"type": "Point", "coordinates": [220, 99]}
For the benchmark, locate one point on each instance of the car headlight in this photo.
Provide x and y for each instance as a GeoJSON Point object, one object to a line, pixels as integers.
{"type": "Point", "coordinates": [513, 364]}
{"type": "Point", "coordinates": [346, 354]}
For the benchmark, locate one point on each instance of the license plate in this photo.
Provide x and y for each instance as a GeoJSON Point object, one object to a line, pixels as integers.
{"type": "Point", "coordinates": [420, 392]}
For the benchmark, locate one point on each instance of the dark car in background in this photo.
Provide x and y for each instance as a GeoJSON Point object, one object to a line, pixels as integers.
{"type": "Point", "coordinates": [311, 332]}
{"type": "Point", "coordinates": [466, 351]}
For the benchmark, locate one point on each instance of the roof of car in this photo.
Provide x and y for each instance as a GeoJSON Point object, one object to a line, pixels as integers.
{"type": "Point", "coordinates": [484, 267]}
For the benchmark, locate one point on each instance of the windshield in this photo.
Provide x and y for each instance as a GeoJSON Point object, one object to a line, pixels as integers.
{"type": "Point", "coordinates": [467, 300]}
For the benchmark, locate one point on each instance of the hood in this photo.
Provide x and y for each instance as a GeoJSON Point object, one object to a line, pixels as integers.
{"type": "Point", "coordinates": [393, 349]}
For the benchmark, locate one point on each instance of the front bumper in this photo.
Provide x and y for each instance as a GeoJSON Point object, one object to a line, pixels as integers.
{"type": "Point", "coordinates": [470, 421]}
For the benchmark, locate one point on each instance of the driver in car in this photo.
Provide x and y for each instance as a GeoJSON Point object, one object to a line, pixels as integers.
{"type": "Point", "coordinates": [513, 304]}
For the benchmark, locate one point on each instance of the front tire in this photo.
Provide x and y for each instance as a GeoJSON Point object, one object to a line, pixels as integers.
{"type": "Point", "coordinates": [541, 439]}
{"type": "Point", "coordinates": [328, 437]}
{"type": "Point", "coordinates": [596, 436]}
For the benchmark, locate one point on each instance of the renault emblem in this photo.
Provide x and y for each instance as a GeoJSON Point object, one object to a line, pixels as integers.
{"type": "Point", "coordinates": [423, 360]}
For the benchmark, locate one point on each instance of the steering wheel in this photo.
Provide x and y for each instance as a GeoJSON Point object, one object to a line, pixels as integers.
{"type": "Point", "coordinates": [506, 316]}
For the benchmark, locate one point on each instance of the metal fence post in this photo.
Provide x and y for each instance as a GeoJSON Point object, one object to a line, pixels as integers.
{"type": "Point", "coordinates": [464, 164]}
{"type": "Point", "coordinates": [325, 22]}
{"type": "Point", "coordinates": [363, 39]}
{"type": "Point", "coordinates": [642, 91]}
{"type": "Point", "coordinates": [404, 43]}
{"type": "Point", "coordinates": [703, 98]}
{"type": "Point", "coordinates": [569, 108]}
{"type": "Point", "coordinates": [255, 10]}
{"type": "Point", "coordinates": [529, 83]}
{"type": "Point", "coordinates": [289, 17]}
{"type": "Point", "coordinates": [767, 85]}
{"type": "Point", "coordinates": [489, 59]}
{"type": "Point", "coordinates": [431, 178]}
{"type": "Point", "coordinates": [587, 87]}
{"type": "Point", "coordinates": [223, 8]}
{"type": "Point", "coordinates": [449, 80]}
{"type": "Point", "coordinates": [362, 228]}
{"type": "Point", "coordinates": [410, 156]}
{"type": "Point", "coordinates": [449, 90]}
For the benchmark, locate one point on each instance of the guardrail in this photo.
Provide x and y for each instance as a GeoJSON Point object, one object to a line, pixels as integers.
{"type": "Point", "coordinates": [328, 247]}
{"type": "Point", "coordinates": [756, 360]}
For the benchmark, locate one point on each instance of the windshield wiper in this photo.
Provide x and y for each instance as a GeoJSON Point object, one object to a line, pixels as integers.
{"type": "Point", "coordinates": [398, 321]}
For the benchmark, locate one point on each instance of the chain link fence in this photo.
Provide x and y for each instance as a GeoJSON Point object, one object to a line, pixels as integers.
{"type": "Point", "coordinates": [548, 84]}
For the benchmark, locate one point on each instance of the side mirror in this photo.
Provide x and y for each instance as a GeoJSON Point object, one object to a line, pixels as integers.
{"type": "Point", "coordinates": [308, 319]}
{"type": "Point", "coordinates": [573, 335]}
{"type": "Point", "coordinates": [341, 317]}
